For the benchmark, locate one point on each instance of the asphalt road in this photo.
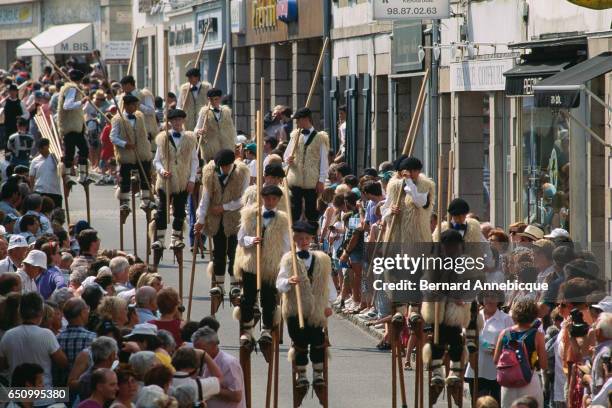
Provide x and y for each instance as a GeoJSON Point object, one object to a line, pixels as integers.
{"type": "Point", "coordinates": [359, 373]}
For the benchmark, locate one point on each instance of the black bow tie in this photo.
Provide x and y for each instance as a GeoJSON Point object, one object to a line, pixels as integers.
{"type": "Point", "coordinates": [194, 88]}
{"type": "Point", "coordinates": [216, 110]}
{"type": "Point", "coordinates": [269, 214]}
{"type": "Point", "coordinates": [303, 254]}
{"type": "Point", "coordinates": [460, 227]}
{"type": "Point", "coordinates": [176, 135]}
{"type": "Point", "coordinates": [306, 132]}
{"type": "Point", "coordinates": [131, 116]}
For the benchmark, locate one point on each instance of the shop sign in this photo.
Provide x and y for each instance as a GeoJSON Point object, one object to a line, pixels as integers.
{"type": "Point", "coordinates": [264, 14]}
{"type": "Point", "coordinates": [287, 10]}
{"type": "Point", "coordinates": [411, 9]}
{"type": "Point", "coordinates": [407, 37]}
{"type": "Point", "coordinates": [117, 52]}
{"type": "Point", "coordinates": [18, 14]}
{"type": "Point", "coordinates": [238, 16]}
{"type": "Point", "coordinates": [483, 75]}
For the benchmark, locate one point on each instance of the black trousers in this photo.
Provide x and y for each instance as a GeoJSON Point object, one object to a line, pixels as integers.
{"type": "Point", "coordinates": [73, 140]}
{"type": "Point", "coordinates": [451, 336]}
{"type": "Point", "coordinates": [125, 170]}
{"type": "Point", "coordinates": [179, 201]}
{"type": "Point", "coordinates": [267, 297]}
{"type": "Point", "coordinates": [302, 338]}
{"type": "Point", "coordinates": [486, 387]}
{"type": "Point", "coordinates": [57, 199]}
{"type": "Point", "coordinates": [224, 252]}
{"type": "Point", "coordinates": [306, 199]}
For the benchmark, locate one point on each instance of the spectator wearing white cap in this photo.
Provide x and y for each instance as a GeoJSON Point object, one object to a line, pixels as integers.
{"type": "Point", "coordinates": [557, 233]}
{"type": "Point", "coordinates": [33, 266]}
{"type": "Point", "coordinates": [17, 250]}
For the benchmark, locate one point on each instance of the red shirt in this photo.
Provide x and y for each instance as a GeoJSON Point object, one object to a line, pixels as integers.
{"type": "Point", "coordinates": [173, 326]}
{"type": "Point", "coordinates": [108, 151]}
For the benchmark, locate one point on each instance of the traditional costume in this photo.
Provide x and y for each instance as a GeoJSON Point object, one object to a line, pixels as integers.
{"type": "Point", "coordinates": [217, 126]}
{"type": "Point", "coordinates": [273, 175]}
{"type": "Point", "coordinates": [192, 97]}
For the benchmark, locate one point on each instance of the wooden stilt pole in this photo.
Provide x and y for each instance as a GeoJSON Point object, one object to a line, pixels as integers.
{"type": "Point", "coordinates": [196, 241]}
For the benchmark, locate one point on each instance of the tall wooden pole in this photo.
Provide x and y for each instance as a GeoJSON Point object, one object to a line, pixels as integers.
{"type": "Point", "coordinates": [132, 53]}
{"type": "Point", "coordinates": [259, 182]}
{"type": "Point", "coordinates": [197, 60]}
{"type": "Point", "coordinates": [294, 266]}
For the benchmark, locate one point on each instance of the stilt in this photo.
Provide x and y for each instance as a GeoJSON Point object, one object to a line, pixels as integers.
{"type": "Point", "coordinates": [178, 254]}
{"type": "Point", "coordinates": [393, 366]}
{"type": "Point", "coordinates": [271, 373]}
{"type": "Point", "coordinates": [133, 187]}
{"type": "Point", "coordinates": [278, 333]}
{"type": "Point", "coordinates": [396, 331]}
{"type": "Point", "coordinates": [298, 392]}
{"type": "Point", "coordinates": [124, 213]}
{"type": "Point", "coordinates": [66, 194]}
{"type": "Point", "coordinates": [148, 247]}
{"type": "Point", "coordinates": [87, 203]}
{"type": "Point", "coordinates": [322, 391]}
{"type": "Point", "coordinates": [216, 296]}
{"type": "Point", "coordinates": [192, 277]}
{"type": "Point", "coordinates": [245, 363]}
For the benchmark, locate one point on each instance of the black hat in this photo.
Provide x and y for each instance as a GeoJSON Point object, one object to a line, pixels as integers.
{"type": "Point", "coordinates": [176, 113]}
{"type": "Point", "coordinates": [272, 190]}
{"type": "Point", "coordinates": [213, 92]}
{"type": "Point", "coordinates": [305, 226]}
{"type": "Point", "coordinates": [192, 72]}
{"type": "Point", "coordinates": [127, 99]}
{"type": "Point", "coordinates": [13, 87]}
{"type": "Point", "coordinates": [458, 207]}
{"type": "Point", "coordinates": [224, 157]}
{"type": "Point", "coordinates": [302, 113]}
{"type": "Point", "coordinates": [370, 172]}
{"type": "Point", "coordinates": [410, 163]}
{"type": "Point", "coordinates": [127, 80]}
{"type": "Point", "coordinates": [75, 75]}
{"type": "Point", "coordinates": [21, 169]}
{"type": "Point", "coordinates": [274, 170]}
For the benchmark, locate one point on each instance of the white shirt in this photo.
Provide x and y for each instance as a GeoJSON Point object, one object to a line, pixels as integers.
{"type": "Point", "coordinates": [283, 285]}
{"type": "Point", "coordinates": [210, 385]}
{"type": "Point", "coordinates": [233, 379]}
{"type": "Point", "coordinates": [200, 123]}
{"type": "Point", "coordinates": [115, 133]}
{"type": "Point", "coordinates": [246, 241]}
{"type": "Point", "coordinates": [27, 284]}
{"type": "Point", "coordinates": [419, 199]}
{"type": "Point", "coordinates": [69, 100]}
{"type": "Point", "coordinates": [231, 206]}
{"type": "Point", "coordinates": [253, 167]}
{"type": "Point", "coordinates": [487, 339]}
{"type": "Point", "coordinates": [323, 163]}
{"type": "Point", "coordinates": [7, 265]}
{"type": "Point", "coordinates": [44, 171]}
{"type": "Point", "coordinates": [159, 166]}
{"type": "Point", "coordinates": [29, 344]}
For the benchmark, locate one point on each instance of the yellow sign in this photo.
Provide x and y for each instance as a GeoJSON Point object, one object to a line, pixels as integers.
{"type": "Point", "coordinates": [264, 14]}
{"type": "Point", "coordinates": [593, 4]}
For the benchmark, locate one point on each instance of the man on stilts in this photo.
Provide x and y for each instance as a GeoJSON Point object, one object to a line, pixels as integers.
{"type": "Point", "coordinates": [317, 293]}
{"type": "Point", "coordinates": [146, 104]}
{"type": "Point", "coordinates": [308, 166]}
{"type": "Point", "coordinates": [274, 243]}
{"type": "Point", "coordinates": [273, 176]}
{"type": "Point", "coordinates": [224, 181]}
{"type": "Point", "coordinates": [176, 164]}
{"type": "Point", "coordinates": [129, 135]}
{"type": "Point", "coordinates": [71, 123]}
{"type": "Point", "coordinates": [192, 97]}
{"type": "Point", "coordinates": [215, 126]}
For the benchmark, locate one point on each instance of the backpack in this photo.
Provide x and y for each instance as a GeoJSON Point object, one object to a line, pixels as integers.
{"type": "Point", "coordinates": [513, 368]}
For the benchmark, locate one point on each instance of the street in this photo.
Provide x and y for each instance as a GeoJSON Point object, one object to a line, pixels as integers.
{"type": "Point", "coordinates": [359, 373]}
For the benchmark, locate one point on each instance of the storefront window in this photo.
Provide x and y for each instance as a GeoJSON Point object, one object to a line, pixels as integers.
{"type": "Point", "coordinates": [545, 166]}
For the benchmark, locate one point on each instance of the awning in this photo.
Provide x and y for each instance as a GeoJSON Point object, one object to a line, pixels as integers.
{"type": "Point", "coordinates": [563, 89]}
{"type": "Point", "coordinates": [521, 78]}
{"type": "Point", "coordinates": [60, 39]}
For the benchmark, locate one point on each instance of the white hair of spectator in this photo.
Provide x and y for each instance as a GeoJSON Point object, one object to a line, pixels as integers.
{"type": "Point", "coordinates": [102, 348]}
{"type": "Point", "coordinates": [141, 362]}
{"type": "Point", "coordinates": [151, 396]}
{"type": "Point", "coordinates": [184, 395]}
{"type": "Point", "coordinates": [118, 264]}
{"type": "Point", "coordinates": [104, 271]}
{"type": "Point", "coordinates": [166, 339]}
{"type": "Point", "coordinates": [604, 323]}
{"type": "Point", "coordinates": [145, 295]}
{"type": "Point", "coordinates": [205, 335]}
{"type": "Point", "coordinates": [67, 256]}
{"type": "Point", "coordinates": [79, 274]}
{"type": "Point", "coordinates": [60, 296]}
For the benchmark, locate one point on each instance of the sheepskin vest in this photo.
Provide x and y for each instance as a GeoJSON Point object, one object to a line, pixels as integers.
{"type": "Point", "coordinates": [273, 234]}
{"type": "Point", "coordinates": [472, 233]}
{"type": "Point", "coordinates": [250, 198]}
{"type": "Point", "coordinates": [150, 119]}
{"type": "Point", "coordinates": [451, 313]}
{"type": "Point", "coordinates": [315, 292]}
{"type": "Point", "coordinates": [220, 195]}
{"type": "Point", "coordinates": [136, 135]}
{"type": "Point", "coordinates": [304, 172]}
{"type": "Point", "coordinates": [191, 106]}
{"type": "Point", "coordinates": [413, 224]}
{"type": "Point", "coordinates": [177, 162]}
{"type": "Point", "coordinates": [217, 135]}
{"type": "Point", "coordinates": [69, 120]}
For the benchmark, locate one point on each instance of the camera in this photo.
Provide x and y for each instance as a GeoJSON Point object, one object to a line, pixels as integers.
{"type": "Point", "coordinates": [578, 327]}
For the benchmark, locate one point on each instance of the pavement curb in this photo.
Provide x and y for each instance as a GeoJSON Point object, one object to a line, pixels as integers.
{"type": "Point", "coordinates": [378, 334]}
